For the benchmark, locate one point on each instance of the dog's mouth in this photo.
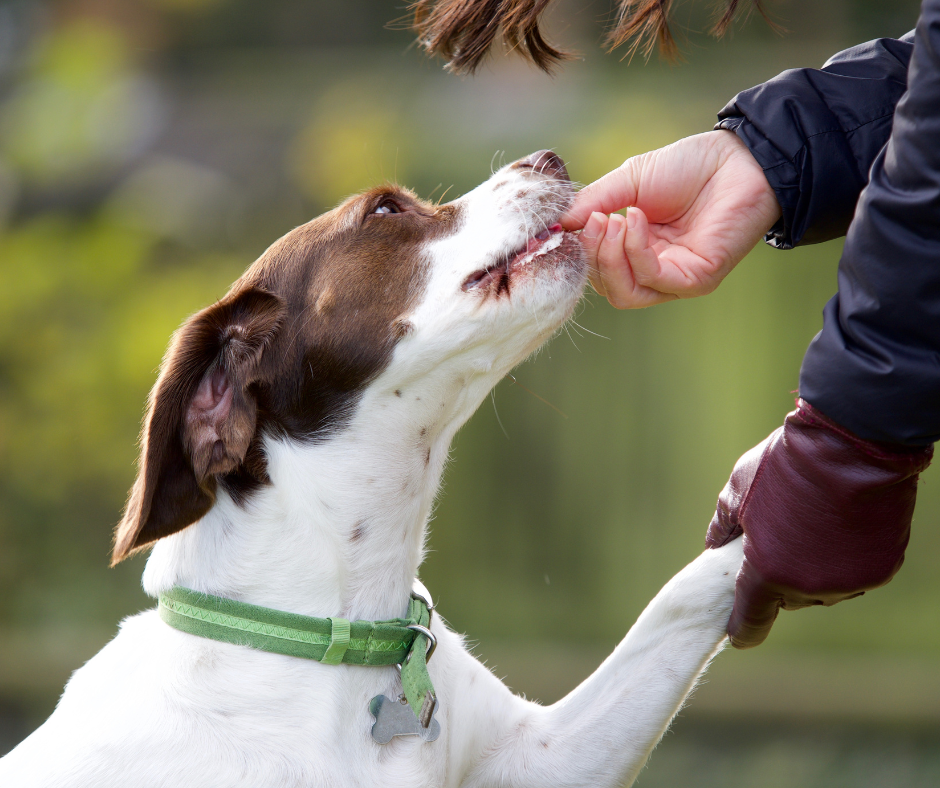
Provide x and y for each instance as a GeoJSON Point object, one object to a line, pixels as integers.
{"type": "Point", "coordinates": [500, 270]}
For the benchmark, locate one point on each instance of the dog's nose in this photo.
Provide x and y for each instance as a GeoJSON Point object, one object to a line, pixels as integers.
{"type": "Point", "coordinates": [545, 162]}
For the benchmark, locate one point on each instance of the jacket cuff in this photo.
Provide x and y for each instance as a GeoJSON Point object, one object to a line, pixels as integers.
{"type": "Point", "coordinates": [780, 174]}
{"type": "Point", "coordinates": [816, 133]}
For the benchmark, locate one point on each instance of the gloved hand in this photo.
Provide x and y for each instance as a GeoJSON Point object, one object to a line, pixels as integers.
{"type": "Point", "coordinates": [825, 515]}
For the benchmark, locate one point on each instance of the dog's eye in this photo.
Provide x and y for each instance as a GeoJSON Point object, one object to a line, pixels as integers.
{"type": "Point", "coordinates": [386, 207]}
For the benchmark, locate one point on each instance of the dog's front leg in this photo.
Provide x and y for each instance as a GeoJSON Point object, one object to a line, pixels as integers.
{"type": "Point", "coordinates": [602, 732]}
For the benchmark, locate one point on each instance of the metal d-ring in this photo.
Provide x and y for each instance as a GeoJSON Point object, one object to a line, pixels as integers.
{"type": "Point", "coordinates": [432, 641]}
{"type": "Point", "coordinates": [421, 593]}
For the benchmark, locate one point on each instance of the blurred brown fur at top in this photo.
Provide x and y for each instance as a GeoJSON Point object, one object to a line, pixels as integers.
{"type": "Point", "coordinates": [462, 31]}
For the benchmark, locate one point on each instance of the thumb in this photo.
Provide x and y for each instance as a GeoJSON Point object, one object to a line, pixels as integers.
{"type": "Point", "coordinates": [755, 609]}
{"type": "Point", "coordinates": [611, 193]}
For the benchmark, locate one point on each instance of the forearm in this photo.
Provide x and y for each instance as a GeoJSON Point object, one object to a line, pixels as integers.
{"type": "Point", "coordinates": [816, 132]}
{"type": "Point", "coordinates": [875, 366]}
{"type": "Point", "coordinates": [602, 733]}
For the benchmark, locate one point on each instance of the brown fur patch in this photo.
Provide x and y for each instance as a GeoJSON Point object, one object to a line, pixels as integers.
{"type": "Point", "coordinates": [325, 302]}
{"type": "Point", "coordinates": [403, 328]}
{"type": "Point", "coordinates": [358, 531]}
{"type": "Point", "coordinates": [186, 441]}
{"type": "Point", "coordinates": [288, 351]}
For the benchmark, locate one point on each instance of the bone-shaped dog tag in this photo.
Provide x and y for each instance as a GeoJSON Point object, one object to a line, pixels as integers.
{"type": "Point", "coordinates": [395, 718]}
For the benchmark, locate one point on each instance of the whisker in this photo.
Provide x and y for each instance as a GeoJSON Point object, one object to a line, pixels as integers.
{"type": "Point", "coordinates": [571, 338]}
{"type": "Point", "coordinates": [601, 336]}
{"type": "Point", "coordinates": [498, 420]}
{"type": "Point", "coordinates": [495, 154]}
{"type": "Point", "coordinates": [553, 407]}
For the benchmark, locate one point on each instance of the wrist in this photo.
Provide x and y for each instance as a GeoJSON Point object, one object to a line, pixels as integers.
{"type": "Point", "coordinates": [753, 176]}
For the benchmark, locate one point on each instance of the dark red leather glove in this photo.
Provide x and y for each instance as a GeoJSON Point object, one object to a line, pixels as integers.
{"type": "Point", "coordinates": [825, 515]}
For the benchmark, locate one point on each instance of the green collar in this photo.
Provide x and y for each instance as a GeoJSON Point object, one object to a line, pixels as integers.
{"type": "Point", "coordinates": [400, 641]}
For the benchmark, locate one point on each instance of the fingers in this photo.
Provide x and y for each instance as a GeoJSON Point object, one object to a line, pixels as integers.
{"type": "Point", "coordinates": [606, 240]}
{"type": "Point", "coordinates": [612, 266]}
{"type": "Point", "coordinates": [755, 609]}
{"type": "Point", "coordinates": [591, 237]}
{"type": "Point", "coordinates": [613, 192]}
{"type": "Point", "coordinates": [726, 522]}
{"type": "Point", "coordinates": [721, 530]}
{"type": "Point", "coordinates": [636, 246]}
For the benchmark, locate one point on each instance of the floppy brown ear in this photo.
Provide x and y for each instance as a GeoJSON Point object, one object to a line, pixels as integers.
{"type": "Point", "coordinates": [201, 416]}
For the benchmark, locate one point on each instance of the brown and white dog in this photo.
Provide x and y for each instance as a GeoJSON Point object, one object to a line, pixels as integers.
{"type": "Point", "coordinates": [291, 454]}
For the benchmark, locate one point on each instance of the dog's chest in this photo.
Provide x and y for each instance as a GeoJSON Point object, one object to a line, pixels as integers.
{"type": "Point", "coordinates": [314, 724]}
{"type": "Point", "coordinates": [194, 712]}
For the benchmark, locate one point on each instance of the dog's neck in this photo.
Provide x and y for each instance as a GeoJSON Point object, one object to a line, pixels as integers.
{"type": "Point", "coordinates": [340, 530]}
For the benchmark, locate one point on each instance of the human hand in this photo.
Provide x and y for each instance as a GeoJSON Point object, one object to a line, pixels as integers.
{"type": "Point", "coordinates": [696, 208]}
{"type": "Point", "coordinates": [825, 515]}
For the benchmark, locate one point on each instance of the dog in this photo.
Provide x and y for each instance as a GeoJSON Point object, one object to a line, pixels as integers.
{"type": "Point", "coordinates": [290, 456]}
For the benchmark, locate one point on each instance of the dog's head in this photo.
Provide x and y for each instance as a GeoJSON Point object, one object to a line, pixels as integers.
{"type": "Point", "coordinates": [385, 287]}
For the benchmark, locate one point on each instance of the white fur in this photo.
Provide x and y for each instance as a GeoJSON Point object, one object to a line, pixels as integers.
{"type": "Point", "coordinates": [157, 707]}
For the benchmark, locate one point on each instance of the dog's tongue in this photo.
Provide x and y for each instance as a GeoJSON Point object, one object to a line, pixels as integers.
{"type": "Point", "coordinates": [548, 231]}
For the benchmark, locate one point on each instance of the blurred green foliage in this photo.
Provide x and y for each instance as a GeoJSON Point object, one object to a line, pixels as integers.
{"type": "Point", "coordinates": [149, 153]}
{"type": "Point", "coordinates": [736, 755]}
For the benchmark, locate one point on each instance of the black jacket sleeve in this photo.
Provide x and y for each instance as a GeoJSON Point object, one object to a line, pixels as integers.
{"type": "Point", "coordinates": [875, 366]}
{"type": "Point", "coordinates": [816, 133]}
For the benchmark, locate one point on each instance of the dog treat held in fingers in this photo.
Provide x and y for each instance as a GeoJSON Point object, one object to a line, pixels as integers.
{"type": "Point", "coordinates": [290, 455]}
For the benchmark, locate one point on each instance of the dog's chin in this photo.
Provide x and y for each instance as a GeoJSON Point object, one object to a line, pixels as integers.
{"type": "Point", "coordinates": [552, 283]}
{"type": "Point", "coordinates": [544, 292]}
{"type": "Point", "coordinates": [569, 259]}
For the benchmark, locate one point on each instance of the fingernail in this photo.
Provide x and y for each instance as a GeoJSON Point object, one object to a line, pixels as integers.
{"type": "Point", "coordinates": [613, 226]}
{"type": "Point", "coordinates": [593, 227]}
{"type": "Point", "coordinates": [631, 218]}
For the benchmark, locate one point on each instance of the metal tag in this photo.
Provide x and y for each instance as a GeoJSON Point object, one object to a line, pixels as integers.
{"type": "Point", "coordinates": [395, 718]}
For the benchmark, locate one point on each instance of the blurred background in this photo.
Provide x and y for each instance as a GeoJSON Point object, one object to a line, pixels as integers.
{"type": "Point", "coordinates": [151, 149]}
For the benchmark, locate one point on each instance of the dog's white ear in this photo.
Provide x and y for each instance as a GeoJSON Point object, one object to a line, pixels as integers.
{"type": "Point", "coordinates": [201, 417]}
